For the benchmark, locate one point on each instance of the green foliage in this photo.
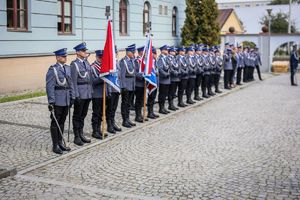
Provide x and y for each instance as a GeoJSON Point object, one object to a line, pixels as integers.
{"type": "Point", "coordinates": [200, 25]}
{"type": "Point", "coordinates": [248, 43]}
{"type": "Point", "coordinates": [279, 23]}
{"type": "Point", "coordinates": [280, 2]}
{"type": "Point", "coordinates": [22, 96]}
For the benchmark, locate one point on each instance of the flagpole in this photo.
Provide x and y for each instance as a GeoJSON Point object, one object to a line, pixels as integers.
{"type": "Point", "coordinates": [104, 111]}
{"type": "Point", "coordinates": [145, 97]}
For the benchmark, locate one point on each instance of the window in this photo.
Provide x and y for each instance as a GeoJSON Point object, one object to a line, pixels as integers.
{"type": "Point", "coordinates": [146, 16]}
{"type": "Point", "coordinates": [17, 14]}
{"type": "Point", "coordinates": [174, 21]}
{"type": "Point", "coordinates": [160, 11]}
{"type": "Point", "coordinates": [123, 17]}
{"type": "Point", "coordinates": [64, 17]}
{"type": "Point", "coordinates": [166, 10]}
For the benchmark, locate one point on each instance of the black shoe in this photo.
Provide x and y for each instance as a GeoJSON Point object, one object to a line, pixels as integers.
{"type": "Point", "coordinates": [205, 96]}
{"type": "Point", "coordinates": [294, 84]}
{"type": "Point", "coordinates": [131, 123]}
{"type": "Point", "coordinates": [181, 104]}
{"type": "Point", "coordinates": [83, 138]}
{"type": "Point", "coordinates": [151, 116]}
{"type": "Point", "coordinates": [139, 119]}
{"type": "Point", "coordinates": [110, 129]}
{"type": "Point", "coordinates": [166, 110]}
{"type": "Point", "coordinates": [115, 126]}
{"type": "Point", "coordinates": [190, 101]}
{"type": "Point", "coordinates": [78, 141]}
{"type": "Point", "coordinates": [56, 149]}
{"type": "Point", "coordinates": [155, 115]}
{"type": "Point", "coordinates": [97, 135]}
{"type": "Point", "coordinates": [172, 108]}
{"type": "Point", "coordinates": [239, 84]}
{"type": "Point", "coordinates": [197, 98]}
{"type": "Point", "coordinates": [211, 94]}
{"type": "Point", "coordinates": [218, 91]}
{"type": "Point", "coordinates": [227, 88]}
{"type": "Point", "coordinates": [63, 147]}
{"type": "Point", "coordinates": [126, 124]}
{"type": "Point", "coordinates": [162, 111]}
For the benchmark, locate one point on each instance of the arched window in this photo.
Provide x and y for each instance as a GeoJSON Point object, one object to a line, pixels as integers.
{"type": "Point", "coordinates": [174, 21]}
{"type": "Point", "coordinates": [146, 16]}
{"type": "Point", "coordinates": [123, 17]}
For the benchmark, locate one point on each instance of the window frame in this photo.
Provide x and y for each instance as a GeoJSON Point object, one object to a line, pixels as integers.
{"type": "Point", "coordinates": [62, 16]}
{"type": "Point", "coordinates": [174, 20]}
{"type": "Point", "coordinates": [123, 8]}
{"type": "Point", "coordinates": [15, 19]}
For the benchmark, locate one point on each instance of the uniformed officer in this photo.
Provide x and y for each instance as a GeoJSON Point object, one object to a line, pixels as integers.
{"type": "Point", "coordinates": [60, 94]}
{"type": "Point", "coordinates": [240, 64]}
{"type": "Point", "coordinates": [252, 64]}
{"type": "Point", "coordinates": [257, 62]}
{"type": "Point", "coordinates": [139, 86]}
{"type": "Point", "coordinates": [247, 64]}
{"type": "Point", "coordinates": [218, 69]}
{"type": "Point", "coordinates": [184, 75]}
{"type": "Point", "coordinates": [234, 66]}
{"type": "Point", "coordinates": [294, 60]}
{"type": "Point", "coordinates": [127, 84]}
{"type": "Point", "coordinates": [81, 72]}
{"type": "Point", "coordinates": [112, 102]}
{"type": "Point", "coordinates": [164, 79]}
{"type": "Point", "coordinates": [206, 73]}
{"type": "Point", "coordinates": [199, 72]}
{"type": "Point", "coordinates": [152, 95]}
{"type": "Point", "coordinates": [228, 68]}
{"type": "Point", "coordinates": [175, 77]}
{"type": "Point", "coordinates": [191, 64]}
{"type": "Point", "coordinates": [97, 96]}
{"type": "Point", "coordinates": [212, 63]}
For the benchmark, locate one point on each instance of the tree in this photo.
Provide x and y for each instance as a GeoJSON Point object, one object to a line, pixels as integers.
{"type": "Point", "coordinates": [200, 24]}
{"type": "Point", "coordinates": [208, 28]}
{"type": "Point", "coordinates": [279, 2]}
{"type": "Point", "coordinates": [279, 23]}
{"type": "Point", "coordinates": [190, 24]}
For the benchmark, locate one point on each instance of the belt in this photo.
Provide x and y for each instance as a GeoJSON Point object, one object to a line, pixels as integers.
{"type": "Point", "coordinates": [61, 88]}
{"type": "Point", "coordinates": [82, 83]}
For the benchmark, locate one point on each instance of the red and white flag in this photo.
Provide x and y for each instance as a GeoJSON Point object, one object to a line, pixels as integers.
{"type": "Point", "coordinates": [109, 55]}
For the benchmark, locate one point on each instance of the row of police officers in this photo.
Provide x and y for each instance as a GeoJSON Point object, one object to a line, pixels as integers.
{"type": "Point", "coordinates": [179, 71]}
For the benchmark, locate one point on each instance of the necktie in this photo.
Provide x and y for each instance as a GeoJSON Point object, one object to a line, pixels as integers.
{"type": "Point", "coordinates": [84, 65]}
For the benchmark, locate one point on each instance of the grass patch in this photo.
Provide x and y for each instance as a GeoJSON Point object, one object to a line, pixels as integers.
{"type": "Point", "coordinates": [22, 96]}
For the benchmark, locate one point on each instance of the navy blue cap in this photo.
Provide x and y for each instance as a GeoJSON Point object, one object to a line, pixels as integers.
{"type": "Point", "coordinates": [165, 47]}
{"type": "Point", "coordinates": [231, 45]}
{"type": "Point", "coordinates": [181, 49]}
{"type": "Point", "coordinates": [81, 46]}
{"type": "Point", "coordinates": [131, 48]}
{"type": "Point", "coordinates": [99, 52]}
{"type": "Point", "coordinates": [141, 49]}
{"type": "Point", "coordinates": [227, 43]}
{"type": "Point", "coordinates": [172, 49]}
{"type": "Point", "coordinates": [199, 48]}
{"type": "Point", "coordinates": [154, 50]}
{"type": "Point", "coordinates": [61, 52]}
{"type": "Point", "coordinates": [229, 49]}
{"type": "Point", "coordinates": [189, 48]}
{"type": "Point", "coordinates": [205, 48]}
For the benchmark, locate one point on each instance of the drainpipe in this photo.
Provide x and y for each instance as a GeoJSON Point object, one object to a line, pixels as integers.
{"type": "Point", "coordinates": [82, 27]}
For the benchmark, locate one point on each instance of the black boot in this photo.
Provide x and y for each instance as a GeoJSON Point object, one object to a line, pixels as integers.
{"type": "Point", "coordinates": [189, 100]}
{"type": "Point", "coordinates": [138, 115]}
{"type": "Point", "coordinates": [77, 139]}
{"type": "Point", "coordinates": [217, 89]}
{"type": "Point", "coordinates": [171, 105]}
{"type": "Point", "coordinates": [210, 92]}
{"type": "Point", "coordinates": [204, 94]}
{"type": "Point", "coordinates": [54, 135]}
{"type": "Point", "coordinates": [110, 128]}
{"type": "Point", "coordinates": [83, 138]}
{"type": "Point", "coordinates": [115, 126]}
{"type": "Point", "coordinates": [130, 122]}
{"type": "Point", "coordinates": [197, 97]}
{"type": "Point", "coordinates": [150, 113]}
{"type": "Point", "coordinates": [162, 110]}
{"type": "Point", "coordinates": [180, 102]}
{"type": "Point", "coordinates": [96, 131]}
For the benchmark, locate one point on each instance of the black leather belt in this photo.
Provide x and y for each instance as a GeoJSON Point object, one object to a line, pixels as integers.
{"type": "Point", "coordinates": [83, 83]}
{"type": "Point", "coordinates": [61, 88]}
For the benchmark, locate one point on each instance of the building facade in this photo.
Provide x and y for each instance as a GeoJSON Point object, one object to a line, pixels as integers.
{"type": "Point", "coordinates": [32, 29]}
{"type": "Point", "coordinates": [223, 4]}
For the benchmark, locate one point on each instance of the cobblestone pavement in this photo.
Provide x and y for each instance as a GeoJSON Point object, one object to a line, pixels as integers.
{"type": "Point", "coordinates": [245, 145]}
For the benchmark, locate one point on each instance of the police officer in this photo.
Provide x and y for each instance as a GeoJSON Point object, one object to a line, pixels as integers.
{"type": "Point", "coordinates": [251, 64]}
{"type": "Point", "coordinates": [139, 86]}
{"type": "Point", "coordinates": [228, 68]}
{"type": "Point", "coordinates": [294, 60]}
{"type": "Point", "coordinates": [247, 65]}
{"type": "Point", "coordinates": [112, 102]}
{"type": "Point", "coordinates": [164, 79]}
{"type": "Point", "coordinates": [81, 72]}
{"type": "Point", "coordinates": [218, 69]}
{"type": "Point", "coordinates": [97, 96]}
{"type": "Point", "coordinates": [206, 73]}
{"type": "Point", "coordinates": [212, 63]}
{"type": "Point", "coordinates": [240, 64]}
{"type": "Point", "coordinates": [184, 75]}
{"type": "Point", "coordinates": [127, 84]}
{"type": "Point", "coordinates": [152, 95]}
{"type": "Point", "coordinates": [199, 72]}
{"type": "Point", "coordinates": [60, 94]}
{"type": "Point", "coordinates": [257, 62]}
{"type": "Point", "coordinates": [191, 64]}
{"type": "Point", "coordinates": [175, 77]}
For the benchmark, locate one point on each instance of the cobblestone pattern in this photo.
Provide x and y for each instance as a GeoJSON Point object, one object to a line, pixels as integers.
{"type": "Point", "coordinates": [243, 146]}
